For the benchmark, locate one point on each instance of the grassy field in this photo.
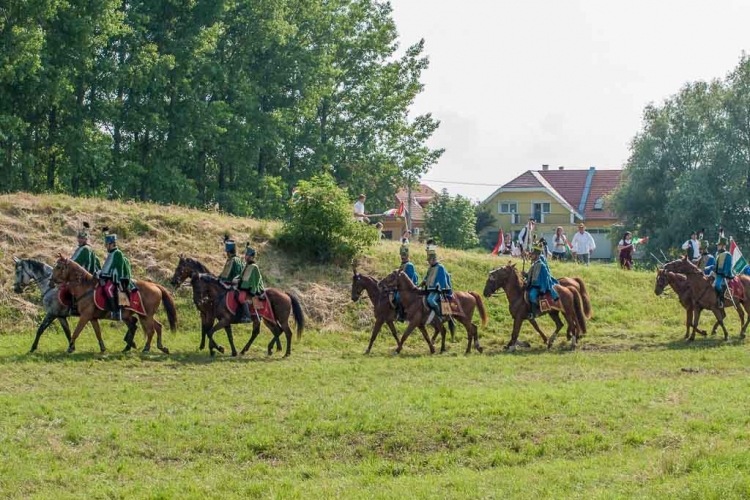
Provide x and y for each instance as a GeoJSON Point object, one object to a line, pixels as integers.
{"type": "Point", "coordinates": [635, 412]}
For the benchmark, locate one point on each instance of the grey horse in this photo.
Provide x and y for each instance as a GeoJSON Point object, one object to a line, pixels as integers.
{"type": "Point", "coordinates": [29, 271]}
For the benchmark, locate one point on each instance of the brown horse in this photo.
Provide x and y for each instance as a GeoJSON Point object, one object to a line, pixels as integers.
{"type": "Point", "coordinates": [384, 312]}
{"type": "Point", "coordinates": [704, 295]}
{"type": "Point", "coordinates": [82, 286]}
{"type": "Point", "coordinates": [417, 312]}
{"type": "Point", "coordinates": [208, 288]}
{"type": "Point", "coordinates": [188, 268]}
{"type": "Point", "coordinates": [681, 286]}
{"type": "Point", "coordinates": [507, 278]}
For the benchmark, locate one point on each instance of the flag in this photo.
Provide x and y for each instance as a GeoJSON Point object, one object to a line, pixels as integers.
{"type": "Point", "coordinates": [640, 241]}
{"type": "Point", "coordinates": [500, 243]}
{"type": "Point", "coordinates": [400, 212]}
{"type": "Point", "coordinates": [568, 249]}
{"type": "Point", "coordinates": [738, 261]}
{"type": "Point", "coordinates": [395, 212]}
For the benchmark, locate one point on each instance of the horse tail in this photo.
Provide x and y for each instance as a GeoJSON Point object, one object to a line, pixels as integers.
{"type": "Point", "coordinates": [299, 315]}
{"type": "Point", "coordinates": [579, 310]}
{"type": "Point", "coordinates": [585, 297]}
{"type": "Point", "coordinates": [168, 302]}
{"type": "Point", "coordinates": [480, 306]}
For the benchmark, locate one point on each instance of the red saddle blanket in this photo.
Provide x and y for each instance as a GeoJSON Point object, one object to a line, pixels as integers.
{"type": "Point", "coordinates": [133, 303]}
{"type": "Point", "coordinates": [738, 289]}
{"type": "Point", "coordinates": [260, 307]}
{"type": "Point", "coordinates": [547, 303]}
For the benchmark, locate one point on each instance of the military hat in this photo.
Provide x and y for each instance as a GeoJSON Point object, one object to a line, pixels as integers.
{"type": "Point", "coordinates": [83, 233]}
{"type": "Point", "coordinates": [537, 249]}
{"type": "Point", "coordinates": [249, 251]}
{"type": "Point", "coordinates": [431, 249]}
{"type": "Point", "coordinates": [404, 250]}
{"type": "Point", "coordinates": [229, 244]}
{"type": "Point", "coordinates": [723, 241]}
{"type": "Point", "coordinates": [109, 237]}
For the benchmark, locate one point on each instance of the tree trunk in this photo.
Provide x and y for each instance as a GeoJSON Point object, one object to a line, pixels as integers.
{"type": "Point", "coordinates": [8, 164]}
{"type": "Point", "coordinates": [144, 158]}
{"type": "Point", "coordinates": [52, 161]}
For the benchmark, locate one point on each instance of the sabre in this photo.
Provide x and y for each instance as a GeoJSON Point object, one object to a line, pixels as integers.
{"type": "Point", "coordinates": [662, 254]}
{"type": "Point", "coordinates": [656, 259]}
{"type": "Point", "coordinates": [731, 295]}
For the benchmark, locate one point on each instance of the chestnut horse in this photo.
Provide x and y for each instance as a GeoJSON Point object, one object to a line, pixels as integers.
{"type": "Point", "coordinates": [508, 279]}
{"type": "Point", "coordinates": [82, 286]}
{"type": "Point", "coordinates": [681, 287]}
{"type": "Point", "coordinates": [704, 295]}
{"type": "Point", "coordinates": [417, 312]}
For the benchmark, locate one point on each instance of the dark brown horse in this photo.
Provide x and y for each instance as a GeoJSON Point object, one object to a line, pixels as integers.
{"type": "Point", "coordinates": [384, 312]}
{"type": "Point", "coordinates": [508, 279]}
{"type": "Point", "coordinates": [82, 285]}
{"type": "Point", "coordinates": [211, 292]}
{"type": "Point", "coordinates": [191, 269]}
{"type": "Point", "coordinates": [417, 312]}
{"type": "Point", "coordinates": [681, 287]}
{"type": "Point", "coordinates": [704, 295]}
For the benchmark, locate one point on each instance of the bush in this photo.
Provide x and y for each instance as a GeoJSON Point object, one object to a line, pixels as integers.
{"type": "Point", "coordinates": [321, 226]}
{"type": "Point", "coordinates": [452, 221]}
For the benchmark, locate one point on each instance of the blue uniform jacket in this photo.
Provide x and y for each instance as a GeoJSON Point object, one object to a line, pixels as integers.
{"type": "Point", "coordinates": [411, 272]}
{"type": "Point", "coordinates": [438, 278]}
{"type": "Point", "coordinates": [541, 280]}
{"type": "Point", "coordinates": [723, 269]}
{"type": "Point", "coordinates": [710, 263]}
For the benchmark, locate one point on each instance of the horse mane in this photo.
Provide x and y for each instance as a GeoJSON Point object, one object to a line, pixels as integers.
{"type": "Point", "coordinates": [38, 267]}
{"type": "Point", "coordinates": [197, 266]}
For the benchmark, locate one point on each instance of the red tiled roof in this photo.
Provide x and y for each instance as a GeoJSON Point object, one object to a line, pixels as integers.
{"type": "Point", "coordinates": [420, 196]}
{"type": "Point", "coordinates": [569, 183]}
{"type": "Point", "coordinates": [525, 180]}
{"type": "Point", "coordinates": [604, 182]}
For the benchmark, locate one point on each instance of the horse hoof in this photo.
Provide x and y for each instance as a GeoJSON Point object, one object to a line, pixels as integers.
{"type": "Point", "coordinates": [220, 349]}
{"type": "Point", "coordinates": [234, 354]}
{"type": "Point", "coordinates": [479, 349]}
{"type": "Point", "coordinates": [146, 350]}
{"type": "Point", "coordinates": [512, 348]}
{"type": "Point", "coordinates": [71, 350]}
{"type": "Point", "coordinates": [164, 350]}
{"type": "Point", "coordinates": [213, 354]}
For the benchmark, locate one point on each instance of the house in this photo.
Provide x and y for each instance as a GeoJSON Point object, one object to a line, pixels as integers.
{"type": "Point", "coordinates": [561, 197]}
{"type": "Point", "coordinates": [421, 196]}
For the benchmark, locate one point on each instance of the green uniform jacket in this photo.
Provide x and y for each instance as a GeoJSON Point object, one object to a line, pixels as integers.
{"type": "Point", "coordinates": [116, 267]}
{"type": "Point", "coordinates": [252, 280]}
{"type": "Point", "coordinates": [232, 269]}
{"type": "Point", "coordinates": [85, 257]}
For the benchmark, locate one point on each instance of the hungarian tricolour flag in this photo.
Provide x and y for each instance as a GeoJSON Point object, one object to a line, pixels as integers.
{"type": "Point", "coordinates": [738, 261]}
{"type": "Point", "coordinates": [395, 212]}
{"type": "Point", "coordinates": [568, 249]}
{"type": "Point", "coordinates": [500, 243]}
{"type": "Point", "coordinates": [640, 241]}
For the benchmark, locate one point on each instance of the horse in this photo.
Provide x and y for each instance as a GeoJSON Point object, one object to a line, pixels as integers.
{"type": "Point", "coordinates": [704, 295]}
{"type": "Point", "coordinates": [507, 278]}
{"type": "Point", "coordinates": [681, 286]}
{"type": "Point", "coordinates": [29, 271]}
{"type": "Point", "coordinates": [417, 312]}
{"type": "Point", "coordinates": [384, 312]}
{"type": "Point", "coordinates": [210, 301]}
{"type": "Point", "coordinates": [82, 286]}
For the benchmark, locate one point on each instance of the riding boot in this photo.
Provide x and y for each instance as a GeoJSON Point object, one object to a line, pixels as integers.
{"type": "Point", "coordinates": [720, 299]}
{"type": "Point", "coordinates": [245, 318]}
{"type": "Point", "coordinates": [452, 326]}
{"type": "Point", "coordinates": [114, 309]}
{"type": "Point", "coordinates": [534, 311]}
{"type": "Point", "coordinates": [400, 312]}
{"type": "Point", "coordinates": [73, 307]}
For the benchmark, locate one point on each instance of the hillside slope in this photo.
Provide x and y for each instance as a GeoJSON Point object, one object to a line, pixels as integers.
{"type": "Point", "coordinates": [627, 312]}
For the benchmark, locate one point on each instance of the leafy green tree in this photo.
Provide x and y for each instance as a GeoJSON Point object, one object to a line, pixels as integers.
{"type": "Point", "coordinates": [452, 221]}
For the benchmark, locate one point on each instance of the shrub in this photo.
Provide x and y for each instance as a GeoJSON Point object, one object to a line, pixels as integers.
{"type": "Point", "coordinates": [452, 221]}
{"type": "Point", "coordinates": [321, 226]}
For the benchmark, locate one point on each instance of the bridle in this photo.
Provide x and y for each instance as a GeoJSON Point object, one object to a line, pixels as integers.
{"type": "Point", "coordinates": [25, 274]}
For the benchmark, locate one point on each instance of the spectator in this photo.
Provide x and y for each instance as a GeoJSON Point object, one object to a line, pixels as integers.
{"type": "Point", "coordinates": [359, 209]}
{"type": "Point", "coordinates": [379, 227]}
{"type": "Point", "coordinates": [626, 248]}
{"type": "Point", "coordinates": [515, 250]}
{"type": "Point", "coordinates": [693, 247]}
{"type": "Point", "coordinates": [524, 237]}
{"type": "Point", "coordinates": [405, 237]}
{"type": "Point", "coordinates": [559, 241]}
{"type": "Point", "coordinates": [583, 245]}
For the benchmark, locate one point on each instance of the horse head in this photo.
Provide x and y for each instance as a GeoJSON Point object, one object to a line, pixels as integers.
{"type": "Point", "coordinates": [357, 285]}
{"type": "Point", "coordinates": [23, 278]}
{"type": "Point", "coordinates": [498, 278]}
{"type": "Point", "coordinates": [661, 281]}
{"type": "Point", "coordinates": [187, 268]}
{"type": "Point", "coordinates": [62, 272]}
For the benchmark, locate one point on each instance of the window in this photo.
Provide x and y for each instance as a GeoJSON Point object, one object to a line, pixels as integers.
{"type": "Point", "coordinates": [507, 207]}
{"type": "Point", "coordinates": [539, 209]}
{"type": "Point", "coordinates": [599, 204]}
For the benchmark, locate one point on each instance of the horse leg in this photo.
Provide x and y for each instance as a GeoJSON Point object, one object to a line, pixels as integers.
{"type": "Point", "coordinates": [392, 328]}
{"type": "Point", "coordinates": [48, 319]}
{"type": "Point", "coordinates": [65, 326]}
{"type": "Point", "coordinates": [538, 329]}
{"type": "Point", "coordinates": [230, 338]}
{"type": "Point", "coordinates": [256, 331]}
{"type": "Point", "coordinates": [427, 338]}
{"type": "Point", "coordinates": [478, 347]}
{"type": "Point", "coordinates": [405, 336]}
{"type": "Point", "coordinates": [129, 338]}
{"type": "Point", "coordinates": [212, 345]}
{"type": "Point", "coordinates": [276, 331]}
{"type": "Point", "coordinates": [743, 330]}
{"type": "Point", "coordinates": [205, 325]}
{"type": "Point", "coordinates": [79, 328]}
{"type": "Point", "coordinates": [443, 334]}
{"type": "Point", "coordinates": [696, 319]}
{"type": "Point", "coordinates": [375, 331]}
{"type": "Point", "coordinates": [517, 322]}
{"type": "Point", "coordinates": [148, 327]}
{"type": "Point", "coordinates": [288, 332]}
{"type": "Point", "coordinates": [98, 332]}
{"type": "Point", "coordinates": [720, 315]}
{"type": "Point", "coordinates": [159, 344]}
{"type": "Point", "coordinates": [741, 313]}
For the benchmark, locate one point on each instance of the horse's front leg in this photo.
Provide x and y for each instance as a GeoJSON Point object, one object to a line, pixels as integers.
{"type": "Point", "coordinates": [538, 329]}
{"type": "Point", "coordinates": [427, 338]}
{"type": "Point", "coordinates": [375, 331]}
{"type": "Point", "coordinates": [98, 332]}
{"type": "Point", "coordinates": [79, 328]}
{"type": "Point", "coordinates": [410, 328]}
{"type": "Point", "coordinates": [48, 319]}
{"type": "Point", "coordinates": [511, 345]}
{"type": "Point", "coordinates": [230, 338]}
{"type": "Point", "coordinates": [253, 335]}
{"type": "Point", "coordinates": [65, 326]}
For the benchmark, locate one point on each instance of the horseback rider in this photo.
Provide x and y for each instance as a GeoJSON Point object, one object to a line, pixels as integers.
{"type": "Point", "coordinates": [250, 281]}
{"type": "Point", "coordinates": [707, 261]}
{"type": "Point", "coordinates": [407, 267]}
{"type": "Point", "coordinates": [233, 265]}
{"type": "Point", "coordinates": [84, 255]}
{"type": "Point", "coordinates": [539, 281]}
{"type": "Point", "coordinates": [722, 269]}
{"type": "Point", "coordinates": [436, 283]}
{"type": "Point", "coordinates": [115, 275]}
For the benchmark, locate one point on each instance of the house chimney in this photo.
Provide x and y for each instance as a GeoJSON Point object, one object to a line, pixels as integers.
{"type": "Point", "coordinates": [545, 167]}
{"type": "Point", "coordinates": [560, 168]}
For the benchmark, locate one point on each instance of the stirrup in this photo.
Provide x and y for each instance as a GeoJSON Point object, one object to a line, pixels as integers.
{"type": "Point", "coordinates": [116, 315]}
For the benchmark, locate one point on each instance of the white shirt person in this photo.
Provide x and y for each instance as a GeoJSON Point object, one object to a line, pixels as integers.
{"type": "Point", "coordinates": [359, 209]}
{"type": "Point", "coordinates": [693, 247]}
{"type": "Point", "coordinates": [583, 244]}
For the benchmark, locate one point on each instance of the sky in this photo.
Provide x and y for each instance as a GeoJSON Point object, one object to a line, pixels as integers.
{"type": "Point", "coordinates": [517, 84]}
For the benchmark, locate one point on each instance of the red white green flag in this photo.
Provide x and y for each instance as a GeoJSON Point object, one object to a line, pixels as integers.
{"type": "Point", "coordinates": [500, 243]}
{"type": "Point", "coordinates": [738, 261]}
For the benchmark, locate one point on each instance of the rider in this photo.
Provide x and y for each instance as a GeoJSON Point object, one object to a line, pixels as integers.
{"type": "Point", "coordinates": [722, 269]}
{"type": "Point", "coordinates": [84, 254]}
{"type": "Point", "coordinates": [407, 267]}
{"type": "Point", "coordinates": [233, 265]}
{"type": "Point", "coordinates": [707, 261]}
{"type": "Point", "coordinates": [115, 274]}
{"type": "Point", "coordinates": [437, 282]}
{"type": "Point", "coordinates": [251, 282]}
{"type": "Point", "coordinates": [539, 281]}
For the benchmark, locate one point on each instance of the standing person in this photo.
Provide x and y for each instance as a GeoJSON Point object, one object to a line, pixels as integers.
{"type": "Point", "coordinates": [405, 237]}
{"type": "Point", "coordinates": [583, 245]}
{"type": "Point", "coordinates": [115, 275]}
{"type": "Point", "coordinates": [525, 236]}
{"type": "Point", "coordinates": [539, 281]}
{"type": "Point", "coordinates": [84, 255]}
{"type": "Point", "coordinates": [515, 249]}
{"type": "Point", "coordinates": [559, 242]}
{"type": "Point", "coordinates": [233, 265]}
{"type": "Point", "coordinates": [359, 209]}
{"type": "Point", "coordinates": [707, 261]}
{"type": "Point", "coordinates": [722, 270]}
{"type": "Point", "coordinates": [693, 247]}
{"type": "Point", "coordinates": [379, 227]}
{"type": "Point", "coordinates": [626, 248]}
{"type": "Point", "coordinates": [251, 282]}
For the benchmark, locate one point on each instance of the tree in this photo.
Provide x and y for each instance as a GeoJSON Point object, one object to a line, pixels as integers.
{"type": "Point", "coordinates": [452, 221]}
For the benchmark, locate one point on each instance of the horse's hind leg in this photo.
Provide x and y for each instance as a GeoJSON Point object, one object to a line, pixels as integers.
{"type": "Point", "coordinates": [159, 344]}
{"type": "Point", "coordinates": [48, 319]}
{"type": "Point", "coordinates": [230, 338]}
{"type": "Point", "coordinates": [427, 337]}
{"type": "Point", "coordinates": [288, 333]}
{"type": "Point", "coordinates": [256, 331]}
{"type": "Point", "coordinates": [98, 332]}
{"type": "Point", "coordinates": [276, 333]}
{"type": "Point", "coordinates": [148, 327]}
{"type": "Point", "coordinates": [478, 347]}
{"type": "Point", "coordinates": [65, 326]}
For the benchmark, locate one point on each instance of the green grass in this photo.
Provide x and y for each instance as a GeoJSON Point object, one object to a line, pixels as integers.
{"type": "Point", "coordinates": [635, 412]}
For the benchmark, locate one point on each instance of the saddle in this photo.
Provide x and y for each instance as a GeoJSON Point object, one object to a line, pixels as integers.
{"type": "Point", "coordinates": [131, 301]}
{"type": "Point", "coordinates": [448, 307]}
{"type": "Point", "coordinates": [258, 307]}
{"type": "Point", "coordinates": [547, 303]}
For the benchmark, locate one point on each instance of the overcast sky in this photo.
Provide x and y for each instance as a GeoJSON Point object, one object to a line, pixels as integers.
{"type": "Point", "coordinates": [520, 83]}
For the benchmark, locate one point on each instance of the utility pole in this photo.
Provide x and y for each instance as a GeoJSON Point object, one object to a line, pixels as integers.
{"type": "Point", "coordinates": [409, 205]}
